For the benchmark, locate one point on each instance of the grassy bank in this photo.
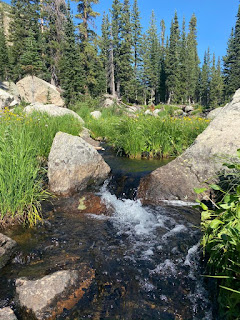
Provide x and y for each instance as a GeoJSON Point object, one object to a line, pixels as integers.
{"type": "Point", "coordinates": [25, 142]}
{"type": "Point", "coordinates": [145, 135]}
{"type": "Point", "coordinates": [221, 241]}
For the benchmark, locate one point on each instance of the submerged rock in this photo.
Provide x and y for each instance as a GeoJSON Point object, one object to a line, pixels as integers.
{"type": "Point", "coordinates": [33, 89]}
{"type": "Point", "coordinates": [73, 164]}
{"type": "Point", "coordinates": [46, 298]}
{"type": "Point", "coordinates": [7, 248]}
{"type": "Point", "coordinates": [52, 110]}
{"type": "Point", "coordinates": [7, 314]}
{"type": "Point", "coordinates": [199, 163]}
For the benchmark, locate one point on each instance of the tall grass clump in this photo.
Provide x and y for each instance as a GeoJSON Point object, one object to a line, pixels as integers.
{"type": "Point", "coordinates": [147, 135]}
{"type": "Point", "coordinates": [25, 142]}
{"type": "Point", "coordinates": [221, 241]}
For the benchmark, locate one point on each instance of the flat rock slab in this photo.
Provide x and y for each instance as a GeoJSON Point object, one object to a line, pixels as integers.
{"type": "Point", "coordinates": [7, 314]}
{"type": "Point", "coordinates": [46, 298]}
{"type": "Point", "coordinates": [73, 164]}
{"type": "Point", "coordinates": [52, 110]}
{"type": "Point", "coordinates": [200, 164]}
{"type": "Point", "coordinates": [7, 248]}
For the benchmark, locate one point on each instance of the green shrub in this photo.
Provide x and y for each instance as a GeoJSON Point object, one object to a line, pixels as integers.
{"type": "Point", "coordinates": [25, 142]}
{"type": "Point", "coordinates": [221, 242]}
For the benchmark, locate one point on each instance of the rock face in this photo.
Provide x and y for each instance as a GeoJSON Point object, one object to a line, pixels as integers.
{"type": "Point", "coordinates": [52, 110]}
{"type": "Point", "coordinates": [212, 114]}
{"type": "Point", "coordinates": [200, 162]}
{"type": "Point", "coordinates": [73, 164]}
{"type": "Point", "coordinates": [96, 114]}
{"type": "Point", "coordinates": [7, 248]}
{"type": "Point", "coordinates": [11, 88]}
{"type": "Point", "coordinates": [47, 298]}
{"type": "Point", "coordinates": [7, 314]}
{"type": "Point", "coordinates": [33, 89]}
{"type": "Point", "coordinates": [5, 99]}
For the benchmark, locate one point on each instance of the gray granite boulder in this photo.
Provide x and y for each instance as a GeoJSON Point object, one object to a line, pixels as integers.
{"type": "Point", "coordinates": [33, 89]}
{"type": "Point", "coordinates": [5, 99]}
{"type": "Point", "coordinates": [51, 110]}
{"type": "Point", "coordinates": [46, 298]}
{"type": "Point", "coordinates": [96, 114]}
{"type": "Point", "coordinates": [73, 164]}
{"type": "Point", "coordinates": [212, 114]}
{"type": "Point", "coordinates": [7, 314]}
{"type": "Point", "coordinates": [200, 164]}
{"type": "Point", "coordinates": [7, 249]}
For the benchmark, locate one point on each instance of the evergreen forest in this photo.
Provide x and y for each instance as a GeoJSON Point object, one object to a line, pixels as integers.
{"type": "Point", "coordinates": [138, 67]}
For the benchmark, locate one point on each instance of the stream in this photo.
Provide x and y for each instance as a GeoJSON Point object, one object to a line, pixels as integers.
{"type": "Point", "coordinates": [147, 259]}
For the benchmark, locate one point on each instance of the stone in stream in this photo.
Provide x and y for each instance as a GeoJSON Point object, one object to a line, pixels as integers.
{"type": "Point", "coordinates": [46, 298]}
{"type": "Point", "coordinates": [73, 164]}
{"type": "Point", "coordinates": [200, 164]}
{"type": "Point", "coordinates": [7, 314]}
{"type": "Point", "coordinates": [7, 248]}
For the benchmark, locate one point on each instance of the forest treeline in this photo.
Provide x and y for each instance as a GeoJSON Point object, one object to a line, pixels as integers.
{"type": "Point", "coordinates": [138, 67]}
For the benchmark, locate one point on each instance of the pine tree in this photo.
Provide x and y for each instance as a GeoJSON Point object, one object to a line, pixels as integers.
{"type": "Point", "coordinates": [53, 19]}
{"type": "Point", "coordinates": [216, 84]}
{"type": "Point", "coordinates": [125, 65]}
{"type": "Point", "coordinates": [162, 76]}
{"type": "Point", "coordinates": [173, 79]}
{"type": "Point", "coordinates": [232, 61]}
{"type": "Point", "coordinates": [71, 73]}
{"type": "Point", "coordinates": [152, 60]}
{"type": "Point", "coordinates": [116, 41]}
{"type": "Point", "coordinates": [3, 51]}
{"type": "Point", "coordinates": [30, 61]}
{"type": "Point", "coordinates": [88, 47]}
{"type": "Point", "coordinates": [26, 16]}
{"type": "Point", "coordinates": [205, 80]}
{"type": "Point", "coordinates": [136, 38]}
{"type": "Point", "coordinates": [192, 60]}
{"type": "Point", "coordinates": [105, 44]}
{"type": "Point", "coordinates": [183, 65]}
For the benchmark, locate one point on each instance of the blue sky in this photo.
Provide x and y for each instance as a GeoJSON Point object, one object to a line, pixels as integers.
{"type": "Point", "coordinates": [215, 18]}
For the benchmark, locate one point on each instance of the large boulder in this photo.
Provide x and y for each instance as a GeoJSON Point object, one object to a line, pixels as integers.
{"type": "Point", "coordinates": [33, 89]}
{"type": "Point", "coordinates": [51, 110]}
{"type": "Point", "coordinates": [212, 114]}
{"type": "Point", "coordinates": [6, 99]}
{"type": "Point", "coordinates": [200, 163]}
{"type": "Point", "coordinates": [7, 314]}
{"type": "Point", "coordinates": [96, 114]}
{"type": "Point", "coordinates": [46, 298]}
{"type": "Point", "coordinates": [73, 164]}
{"type": "Point", "coordinates": [11, 88]}
{"type": "Point", "coordinates": [7, 249]}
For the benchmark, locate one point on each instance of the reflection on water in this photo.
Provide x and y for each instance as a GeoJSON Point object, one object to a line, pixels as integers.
{"type": "Point", "coordinates": [146, 260]}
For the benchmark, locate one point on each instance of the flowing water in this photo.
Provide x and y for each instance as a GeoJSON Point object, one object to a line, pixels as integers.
{"type": "Point", "coordinates": [147, 259]}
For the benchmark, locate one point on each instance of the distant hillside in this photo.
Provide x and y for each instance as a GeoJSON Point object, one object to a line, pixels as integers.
{"type": "Point", "coordinates": [5, 14]}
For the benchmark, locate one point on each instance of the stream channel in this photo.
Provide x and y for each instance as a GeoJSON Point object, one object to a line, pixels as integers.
{"type": "Point", "coordinates": [147, 259]}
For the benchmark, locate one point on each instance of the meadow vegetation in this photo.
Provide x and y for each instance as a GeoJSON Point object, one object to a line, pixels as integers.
{"type": "Point", "coordinates": [141, 135]}
{"type": "Point", "coordinates": [25, 142]}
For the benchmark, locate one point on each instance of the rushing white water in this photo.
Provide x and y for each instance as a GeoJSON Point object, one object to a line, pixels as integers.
{"type": "Point", "coordinates": [156, 236]}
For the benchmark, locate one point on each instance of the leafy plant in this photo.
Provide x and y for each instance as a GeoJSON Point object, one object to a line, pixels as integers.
{"type": "Point", "coordinates": [221, 242]}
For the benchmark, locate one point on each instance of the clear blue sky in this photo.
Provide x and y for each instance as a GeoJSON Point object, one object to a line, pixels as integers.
{"type": "Point", "coordinates": [215, 18]}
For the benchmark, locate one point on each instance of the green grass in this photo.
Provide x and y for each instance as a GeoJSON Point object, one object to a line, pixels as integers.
{"type": "Point", "coordinates": [147, 135]}
{"type": "Point", "coordinates": [25, 142]}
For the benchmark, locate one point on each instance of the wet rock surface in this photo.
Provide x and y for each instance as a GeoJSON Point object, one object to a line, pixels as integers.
{"type": "Point", "coordinates": [73, 164]}
{"type": "Point", "coordinates": [47, 298]}
{"type": "Point", "coordinates": [201, 162]}
{"type": "Point", "coordinates": [7, 248]}
{"type": "Point", "coordinates": [7, 314]}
